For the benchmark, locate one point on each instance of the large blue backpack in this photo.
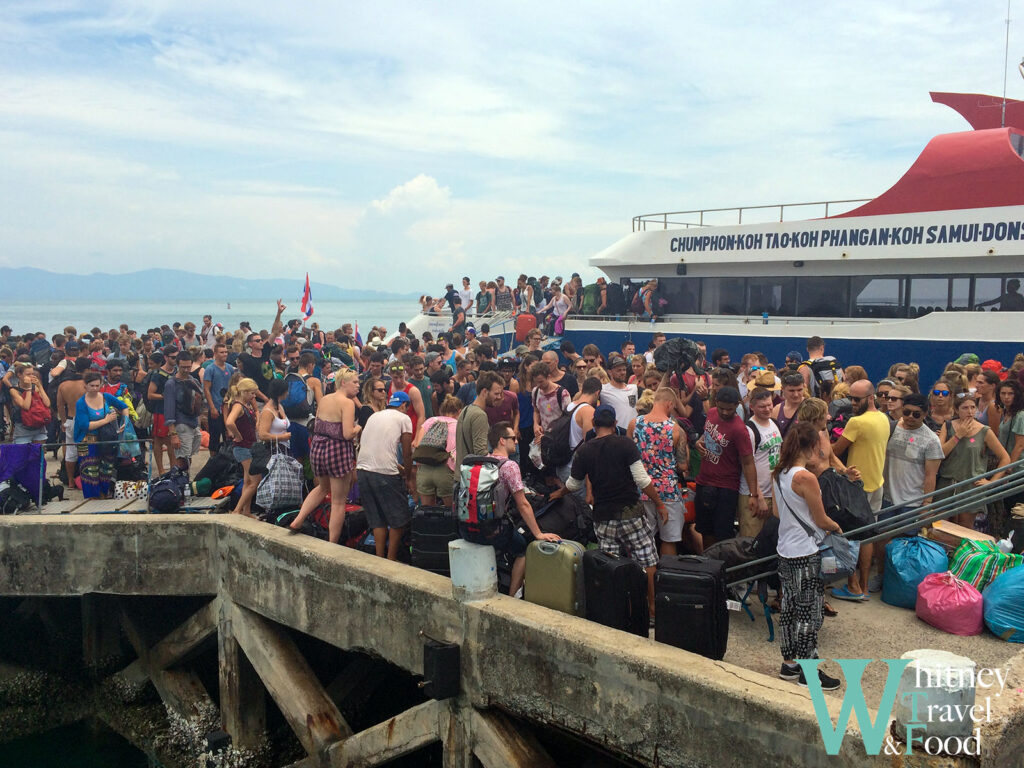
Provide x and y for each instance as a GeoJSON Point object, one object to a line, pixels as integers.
{"type": "Point", "coordinates": [298, 403]}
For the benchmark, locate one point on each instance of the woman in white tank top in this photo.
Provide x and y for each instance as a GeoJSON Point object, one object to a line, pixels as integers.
{"type": "Point", "coordinates": [273, 426]}
{"type": "Point", "coordinates": [802, 526]}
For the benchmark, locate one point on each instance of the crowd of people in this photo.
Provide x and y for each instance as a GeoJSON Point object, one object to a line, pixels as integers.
{"type": "Point", "coordinates": [400, 419]}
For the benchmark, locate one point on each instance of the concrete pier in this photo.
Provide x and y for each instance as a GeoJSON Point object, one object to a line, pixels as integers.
{"type": "Point", "coordinates": [650, 703]}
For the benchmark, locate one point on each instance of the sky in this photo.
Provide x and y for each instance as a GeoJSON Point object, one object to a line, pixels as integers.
{"type": "Point", "coordinates": [397, 146]}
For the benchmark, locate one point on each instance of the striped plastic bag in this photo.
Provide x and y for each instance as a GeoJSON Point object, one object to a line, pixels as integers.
{"type": "Point", "coordinates": [979, 562]}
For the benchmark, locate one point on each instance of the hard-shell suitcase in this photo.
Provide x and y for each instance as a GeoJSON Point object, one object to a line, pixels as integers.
{"type": "Point", "coordinates": [616, 592]}
{"type": "Point", "coordinates": [554, 576]}
{"type": "Point", "coordinates": [432, 529]}
{"type": "Point", "coordinates": [524, 324]}
{"type": "Point", "coordinates": [689, 604]}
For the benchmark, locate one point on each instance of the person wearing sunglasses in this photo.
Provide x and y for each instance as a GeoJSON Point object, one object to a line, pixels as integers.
{"type": "Point", "coordinates": [967, 444]}
{"type": "Point", "coordinates": [940, 405]}
{"type": "Point", "coordinates": [912, 458]}
{"type": "Point", "coordinates": [893, 404]}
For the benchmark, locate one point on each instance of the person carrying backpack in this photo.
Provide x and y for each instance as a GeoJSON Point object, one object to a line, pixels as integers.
{"type": "Point", "coordinates": [182, 404]}
{"type": "Point", "coordinates": [820, 372]}
{"type": "Point", "coordinates": [300, 403]}
{"type": "Point", "coordinates": [30, 406]}
{"type": "Point", "coordinates": [489, 487]}
{"type": "Point", "coordinates": [433, 451]}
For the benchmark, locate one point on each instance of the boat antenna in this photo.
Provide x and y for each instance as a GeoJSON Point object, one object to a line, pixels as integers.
{"type": "Point", "coordinates": [1006, 61]}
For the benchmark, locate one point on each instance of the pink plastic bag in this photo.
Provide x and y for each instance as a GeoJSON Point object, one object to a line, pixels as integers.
{"type": "Point", "coordinates": [950, 604]}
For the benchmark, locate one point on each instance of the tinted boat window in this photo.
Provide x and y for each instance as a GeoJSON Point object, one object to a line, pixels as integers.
{"type": "Point", "coordinates": [681, 293]}
{"type": "Point", "coordinates": [998, 294]}
{"type": "Point", "coordinates": [938, 294]}
{"type": "Point", "coordinates": [824, 297]}
{"type": "Point", "coordinates": [774, 295]}
{"type": "Point", "coordinates": [723, 296]}
{"type": "Point", "coordinates": [878, 296]}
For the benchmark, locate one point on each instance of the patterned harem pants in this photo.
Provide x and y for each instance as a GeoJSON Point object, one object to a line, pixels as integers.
{"type": "Point", "coordinates": [803, 596]}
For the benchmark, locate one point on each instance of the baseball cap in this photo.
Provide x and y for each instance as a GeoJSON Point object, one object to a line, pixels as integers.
{"type": "Point", "coordinates": [431, 357]}
{"type": "Point", "coordinates": [614, 361]}
{"type": "Point", "coordinates": [508, 362]}
{"type": "Point", "coordinates": [470, 329]}
{"type": "Point", "coordinates": [794, 355]}
{"type": "Point", "coordinates": [72, 346]}
{"type": "Point", "coordinates": [996, 367]}
{"type": "Point", "coordinates": [968, 358]}
{"type": "Point", "coordinates": [521, 350]}
{"type": "Point", "coordinates": [604, 416]}
{"type": "Point", "coordinates": [397, 399]}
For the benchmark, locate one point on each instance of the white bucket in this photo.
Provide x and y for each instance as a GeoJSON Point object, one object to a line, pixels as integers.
{"type": "Point", "coordinates": [474, 570]}
{"type": "Point", "coordinates": [947, 684]}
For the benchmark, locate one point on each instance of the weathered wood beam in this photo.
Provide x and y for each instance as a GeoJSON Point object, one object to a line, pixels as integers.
{"type": "Point", "coordinates": [310, 713]}
{"type": "Point", "coordinates": [243, 700]}
{"type": "Point", "coordinates": [361, 671]}
{"type": "Point", "coordinates": [180, 690]}
{"type": "Point", "coordinates": [186, 637]}
{"type": "Point", "coordinates": [456, 738]}
{"type": "Point", "coordinates": [101, 640]}
{"type": "Point", "coordinates": [497, 744]}
{"type": "Point", "coordinates": [404, 733]}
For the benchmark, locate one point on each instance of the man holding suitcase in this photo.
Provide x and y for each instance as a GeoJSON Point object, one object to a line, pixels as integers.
{"type": "Point", "coordinates": [613, 464]}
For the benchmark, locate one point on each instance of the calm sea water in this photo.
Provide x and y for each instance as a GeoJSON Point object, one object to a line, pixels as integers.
{"type": "Point", "coordinates": [78, 745]}
{"type": "Point", "coordinates": [51, 317]}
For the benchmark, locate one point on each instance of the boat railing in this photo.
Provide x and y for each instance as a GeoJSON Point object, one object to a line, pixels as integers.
{"type": "Point", "coordinates": [707, 217]}
{"type": "Point", "coordinates": [635, 321]}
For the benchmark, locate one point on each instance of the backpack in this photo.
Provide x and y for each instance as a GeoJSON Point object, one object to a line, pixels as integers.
{"type": "Point", "coordinates": [433, 448]}
{"type": "Point", "coordinates": [167, 492]}
{"type": "Point", "coordinates": [676, 355]}
{"type": "Point", "coordinates": [616, 300]}
{"type": "Point", "coordinates": [554, 443]}
{"type": "Point", "coordinates": [298, 404]}
{"type": "Point", "coordinates": [190, 406]}
{"type": "Point", "coordinates": [159, 377]}
{"type": "Point", "coordinates": [636, 306]}
{"type": "Point", "coordinates": [40, 350]}
{"type": "Point", "coordinates": [481, 499]}
{"type": "Point", "coordinates": [13, 498]}
{"type": "Point", "coordinates": [37, 415]}
{"type": "Point", "coordinates": [825, 371]}
{"type": "Point", "coordinates": [591, 299]}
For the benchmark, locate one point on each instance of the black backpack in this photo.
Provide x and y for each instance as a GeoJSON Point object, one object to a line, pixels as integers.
{"type": "Point", "coordinates": [845, 502]}
{"type": "Point", "coordinates": [616, 300]}
{"type": "Point", "coordinates": [167, 492]}
{"type": "Point", "coordinates": [187, 397]}
{"type": "Point", "coordinates": [14, 499]}
{"type": "Point", "coordinates": [554, 443]}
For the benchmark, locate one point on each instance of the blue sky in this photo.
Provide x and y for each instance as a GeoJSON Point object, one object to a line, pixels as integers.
{"type": "Point", "coordinates": [399, 145]}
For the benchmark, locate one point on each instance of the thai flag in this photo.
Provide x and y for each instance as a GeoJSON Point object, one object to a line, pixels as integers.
{"type": "Point", "coordinates": [307, 302]}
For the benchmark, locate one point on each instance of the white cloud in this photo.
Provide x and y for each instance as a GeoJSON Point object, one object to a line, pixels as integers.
{"type": "Point", "coordinates": [421, 194]}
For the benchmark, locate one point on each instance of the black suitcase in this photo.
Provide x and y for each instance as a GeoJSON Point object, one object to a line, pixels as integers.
{"type": "Point", "coordinates": [432, 529]}
{"type": "Point", "coordinates": [616, 592]}
{"type": "Point", "coordinates": [689, 604]}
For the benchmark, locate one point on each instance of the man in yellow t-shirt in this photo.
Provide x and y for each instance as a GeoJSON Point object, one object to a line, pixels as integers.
{"type": "Point", "coordinates": [866, 437]}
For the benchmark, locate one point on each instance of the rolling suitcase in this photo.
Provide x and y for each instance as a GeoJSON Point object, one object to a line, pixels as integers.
{"type": "Point", "coordinates": [432, 529]}
{"type": "Point", "coordinates": [689, 603]}
{"type": "Point", "coordinates": [524, 324]}
{"type": "Point", "coordinates": [615, 591]}
{"type": "Point", "coordinates": [554, 576]}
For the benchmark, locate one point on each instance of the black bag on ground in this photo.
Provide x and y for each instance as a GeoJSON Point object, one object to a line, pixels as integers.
{"type": "Point", "coordinates": [432, 529]}
{"type": "Point", "coordinates": [845, 502]}
{"type": "Point", "coordinates": [221, 470]}
{"type": "Point", "coordinates": [689, 600]}
{"type": "Point", "coordinates": [616, 592]}
{"type": "Point", "coordinates": [310, 526]}
{"type": "Point", "coordinates": [736, 551]}
{"type": "Point", "coordinates": [167, 492]}
{"type": "Point", "coordinates": [766, 544]}
{"type": "Point", "coordinates": [14, 499]}
{"type": "Point", "coordinates": [568, 517]}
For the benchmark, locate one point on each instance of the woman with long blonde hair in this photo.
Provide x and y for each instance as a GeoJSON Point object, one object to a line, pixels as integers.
{"type": "Point", "coordinates": [240, 424]}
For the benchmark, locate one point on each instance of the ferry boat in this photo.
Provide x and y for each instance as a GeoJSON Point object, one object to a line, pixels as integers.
{"type": "Point", "coordinates": [925, 272]}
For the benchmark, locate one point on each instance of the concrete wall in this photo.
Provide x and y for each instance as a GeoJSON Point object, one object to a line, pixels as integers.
{"type": "Point", "coordinates": [658, 704]}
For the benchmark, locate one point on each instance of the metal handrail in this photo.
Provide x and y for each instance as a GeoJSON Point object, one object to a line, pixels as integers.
{"type": "Point", "coordinates": [640, 222]}
{"type": "Point", "coordinates": [947, 506]}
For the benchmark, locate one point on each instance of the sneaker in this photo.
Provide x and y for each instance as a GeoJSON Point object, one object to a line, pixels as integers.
{"type": "Point", "coordinates": [827, 683]}
{"type": "Point", "coordinates": [875, 583]}
{"type": "Point", "coordinates": [790, 672]}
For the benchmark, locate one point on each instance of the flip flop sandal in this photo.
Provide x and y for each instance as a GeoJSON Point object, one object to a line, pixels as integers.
{"type": "Point", "coordinates": [828, 610]}
{"type": "Point", "coordinates": [844, 593]}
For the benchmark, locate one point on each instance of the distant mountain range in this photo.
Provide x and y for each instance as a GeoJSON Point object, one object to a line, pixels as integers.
{"type": "Point", "coordinates": [30, 283]}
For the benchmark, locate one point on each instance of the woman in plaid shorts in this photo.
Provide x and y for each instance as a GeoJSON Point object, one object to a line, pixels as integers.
{"type": "Point", "coordinates": [332, 452]}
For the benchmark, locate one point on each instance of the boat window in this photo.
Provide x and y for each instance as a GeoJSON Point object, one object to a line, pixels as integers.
{"type": "Point", "coordinates": [998, 293]}
{"type": "Point", "coordinates": [723, 296]}
{"type": "Point", "coordinates": [879, 296]}
{"type": "Point", "coordinates": [939, 294]}
{"type": "Point", "coordinates": [823, 297]}
{"type": "Point", "coordinates": [681, 293]}
{"type": "Point", "coordinates": [1017, 142]}
{"type": "Point", "coordinates": [774, 295]}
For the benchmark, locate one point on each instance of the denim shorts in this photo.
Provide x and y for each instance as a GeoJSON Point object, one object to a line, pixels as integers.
{"type": "Point", "coordinates": [241, 454]}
